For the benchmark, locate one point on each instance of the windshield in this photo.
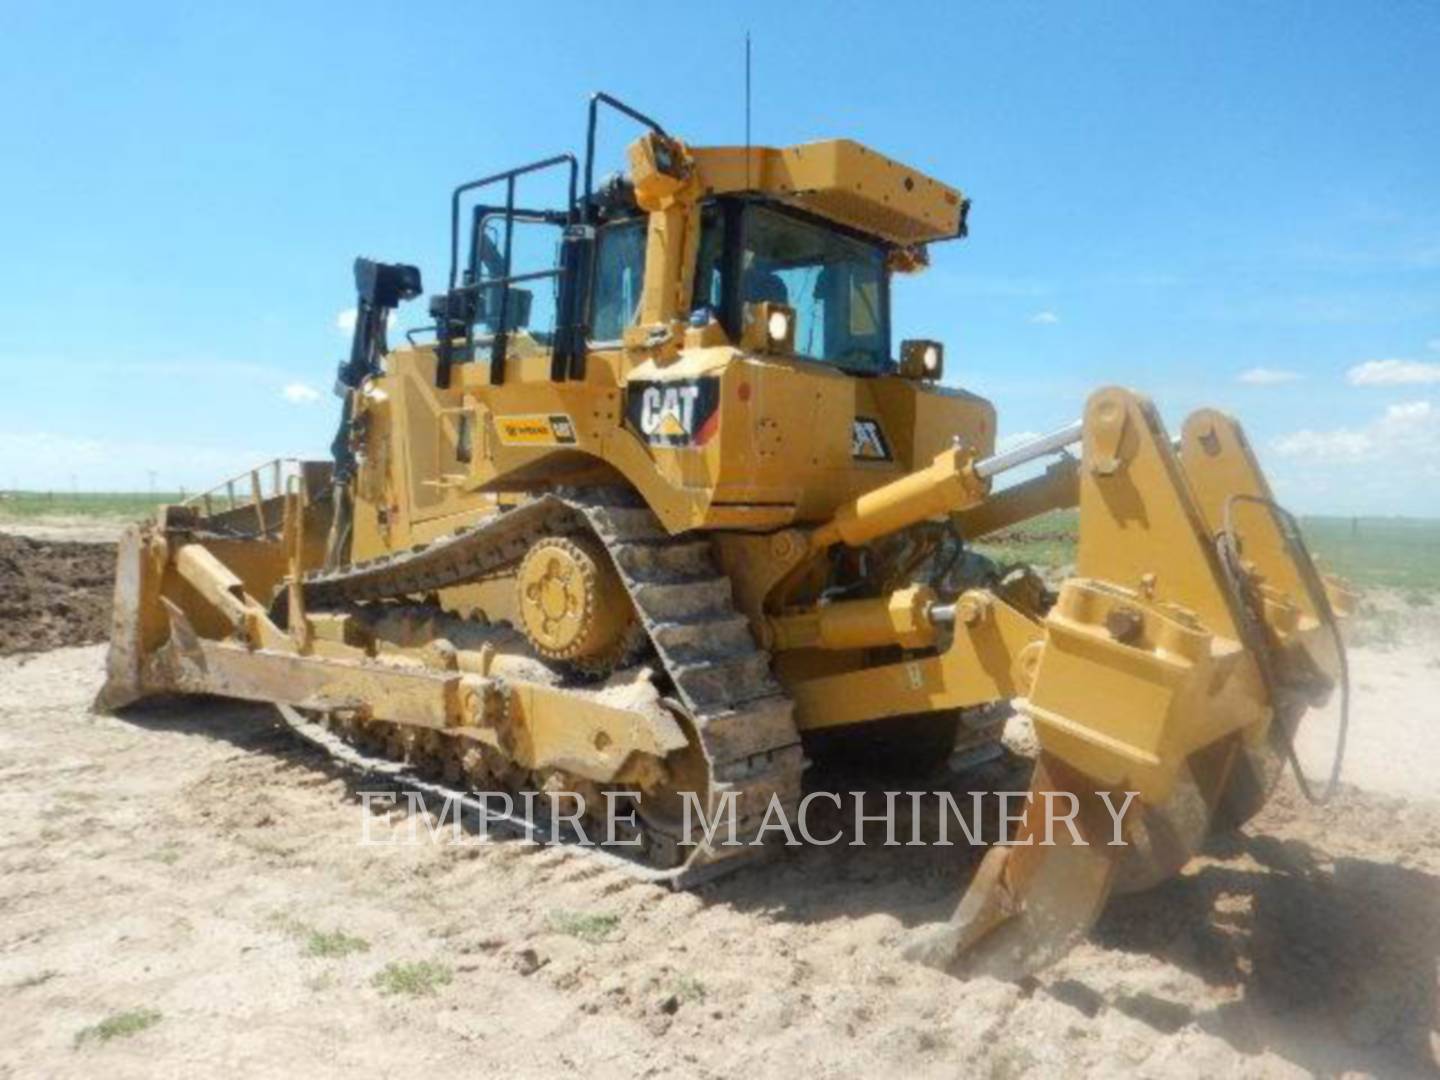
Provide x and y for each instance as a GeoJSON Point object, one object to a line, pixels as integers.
{"type": "Point", "coordinates": [834, 283]}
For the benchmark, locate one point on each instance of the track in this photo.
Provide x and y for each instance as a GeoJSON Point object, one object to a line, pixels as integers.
{"type": "Point", "coordinates": [736, 712]}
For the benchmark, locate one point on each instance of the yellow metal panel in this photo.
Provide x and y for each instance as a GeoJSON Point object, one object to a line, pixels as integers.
{"type": "Point", "coordinates": [1139, 525]}
{"type": "Point", "coordinates": [1126, 690]}
{"type": "Point", "coordinates": [841, 180]}
{"type": "Point", "coordinates": [1219, 463]}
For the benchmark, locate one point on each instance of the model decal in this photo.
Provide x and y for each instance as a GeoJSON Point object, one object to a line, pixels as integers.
{"type": "Point", "coordinates": [867, 440]}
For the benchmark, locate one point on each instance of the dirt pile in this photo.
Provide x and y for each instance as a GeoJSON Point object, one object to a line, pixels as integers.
{"type": "Point", "coordinates": [53, 593]}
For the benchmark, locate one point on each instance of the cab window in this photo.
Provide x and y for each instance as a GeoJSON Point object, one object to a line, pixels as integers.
{"type": "Point", "coordinates": [619, 276]}
{"type": "Point", "coordinates": [834, 282]}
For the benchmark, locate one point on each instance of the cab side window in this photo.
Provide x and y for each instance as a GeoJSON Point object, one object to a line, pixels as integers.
{"type": "Point", "coordinates": [619, 276]}
{"type": "Point", "coordinates": [709, 266]}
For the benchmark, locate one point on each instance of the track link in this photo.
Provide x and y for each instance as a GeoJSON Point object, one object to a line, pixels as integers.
{"type": "Point", "coordinates": [740, 715]}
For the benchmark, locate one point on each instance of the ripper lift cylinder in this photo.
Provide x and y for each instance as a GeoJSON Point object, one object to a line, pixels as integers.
{"type": "Point", "coordinates": [949, 483]}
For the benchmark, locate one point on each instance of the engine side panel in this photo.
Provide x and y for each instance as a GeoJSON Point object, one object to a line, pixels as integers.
{"type": "Point", "coordinates": [713, 439]}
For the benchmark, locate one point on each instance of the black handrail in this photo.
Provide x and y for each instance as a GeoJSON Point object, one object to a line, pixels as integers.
{"type": "Point", "coordinates": [577, 219]}
{"type": "Point", "coordinates": [480, 212]}
{"type": "Point", "coordinates": [510, 176]}
{"type": "Point", "coordinates": [596, 100]}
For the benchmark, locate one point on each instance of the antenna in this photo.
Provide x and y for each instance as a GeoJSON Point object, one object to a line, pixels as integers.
{"type": "Point", "coordinates": [747, 109]}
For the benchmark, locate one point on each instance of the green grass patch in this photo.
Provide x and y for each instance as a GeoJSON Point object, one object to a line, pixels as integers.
{"type": "Point", "coordinates": [118, 1026]}
{"type": "Point", "coordinates": [1045, 541]}
{"type": "Point", "coordinates": [587, 926]}
{"type": "Point", "coordinates": [168, 855]}
{"type": "Point", "coordinates": [689, 988]}
{"type": "Point", "coordinates": [334, 943]}
{"type": "Point", "coordinates": [326, 944]}
{"type": "Point", "coordinates": [115, 505]}
{"type": "Point", "coordinates": [420, 979]}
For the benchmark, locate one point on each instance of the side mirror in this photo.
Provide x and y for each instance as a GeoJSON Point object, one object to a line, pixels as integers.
{"type": "Point", "coordinates": [922, 359]}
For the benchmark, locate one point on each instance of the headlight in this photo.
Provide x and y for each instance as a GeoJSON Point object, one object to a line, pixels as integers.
{"type": "Point", "coordinates": [778, 326]}
{"type": "Point", "coordinates": [768, 328]}
{"type": "Point", "coordinates": [921, 359]}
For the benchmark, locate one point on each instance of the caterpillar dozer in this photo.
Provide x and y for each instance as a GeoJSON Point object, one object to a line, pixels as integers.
{"type": "Point", "coordinates": [669, 539]}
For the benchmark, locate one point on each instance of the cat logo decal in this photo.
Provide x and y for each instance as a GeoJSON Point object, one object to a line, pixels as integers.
{"type": "Point", "coordinates": [675, 413]}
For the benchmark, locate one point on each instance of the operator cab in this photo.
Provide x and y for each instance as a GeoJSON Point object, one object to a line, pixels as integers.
{"type": "Point", "coordinates": [834, 280]}
{"type": "Point", "coordinates": [810, 232]}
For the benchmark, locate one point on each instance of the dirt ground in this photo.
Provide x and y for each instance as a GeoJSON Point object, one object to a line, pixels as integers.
{"type": "Point", "coordinates": [53, 593]}
{"type": "Point", "coordinates": [194, 871]}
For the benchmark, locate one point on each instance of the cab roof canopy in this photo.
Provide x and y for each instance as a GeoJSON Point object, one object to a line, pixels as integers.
{"type": "Point", "coordinates": [840, 180]}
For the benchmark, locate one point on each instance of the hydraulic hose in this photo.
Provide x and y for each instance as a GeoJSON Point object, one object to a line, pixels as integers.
{"type": "Point", "coordinates": [1253, 628]}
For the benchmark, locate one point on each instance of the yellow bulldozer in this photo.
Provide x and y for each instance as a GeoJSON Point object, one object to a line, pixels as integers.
{"type": "Point", "coordinates": [708, 516]}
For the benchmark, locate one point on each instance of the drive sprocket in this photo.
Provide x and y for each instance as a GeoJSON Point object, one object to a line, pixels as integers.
{"type": "Point", "coordinates": [574, 607]}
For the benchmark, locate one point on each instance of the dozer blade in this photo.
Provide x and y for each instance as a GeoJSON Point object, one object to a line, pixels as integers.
{"type": "Point", "coordinates": [137, 623]}
{"type": "Point", "coordinates": [1170, 679]}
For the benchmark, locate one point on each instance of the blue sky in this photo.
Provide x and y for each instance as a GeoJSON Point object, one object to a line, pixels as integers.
{"type": "Point", "coordinates": [1228, 204]}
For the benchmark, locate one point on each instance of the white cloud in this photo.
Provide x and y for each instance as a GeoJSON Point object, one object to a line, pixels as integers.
{"type": "Point", "coordinates": [1045, 318]}
{"type": "Point", "coordinates": [1393, 373]}
{"type": "Point", "coordinates": [1342, 444]}
{"type": "Point", "coordinates": [1264, 376]}
{"type": "Point", "coordinates": [299, 394]}
{"type": "Point", "coordinates": [1407, 433]}
{"type": "Point", "coordinates": [1409, 412]}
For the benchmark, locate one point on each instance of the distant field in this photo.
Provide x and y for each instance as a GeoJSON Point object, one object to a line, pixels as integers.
{"type": "Point", "coordinates": [25, 505]}
{"type": "Point", "coordinates": [1402, 552]}
{"type": "Point", "coordinates": [1048, 540]}
{"type": "Point", "coordinates": [1396, 552]}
